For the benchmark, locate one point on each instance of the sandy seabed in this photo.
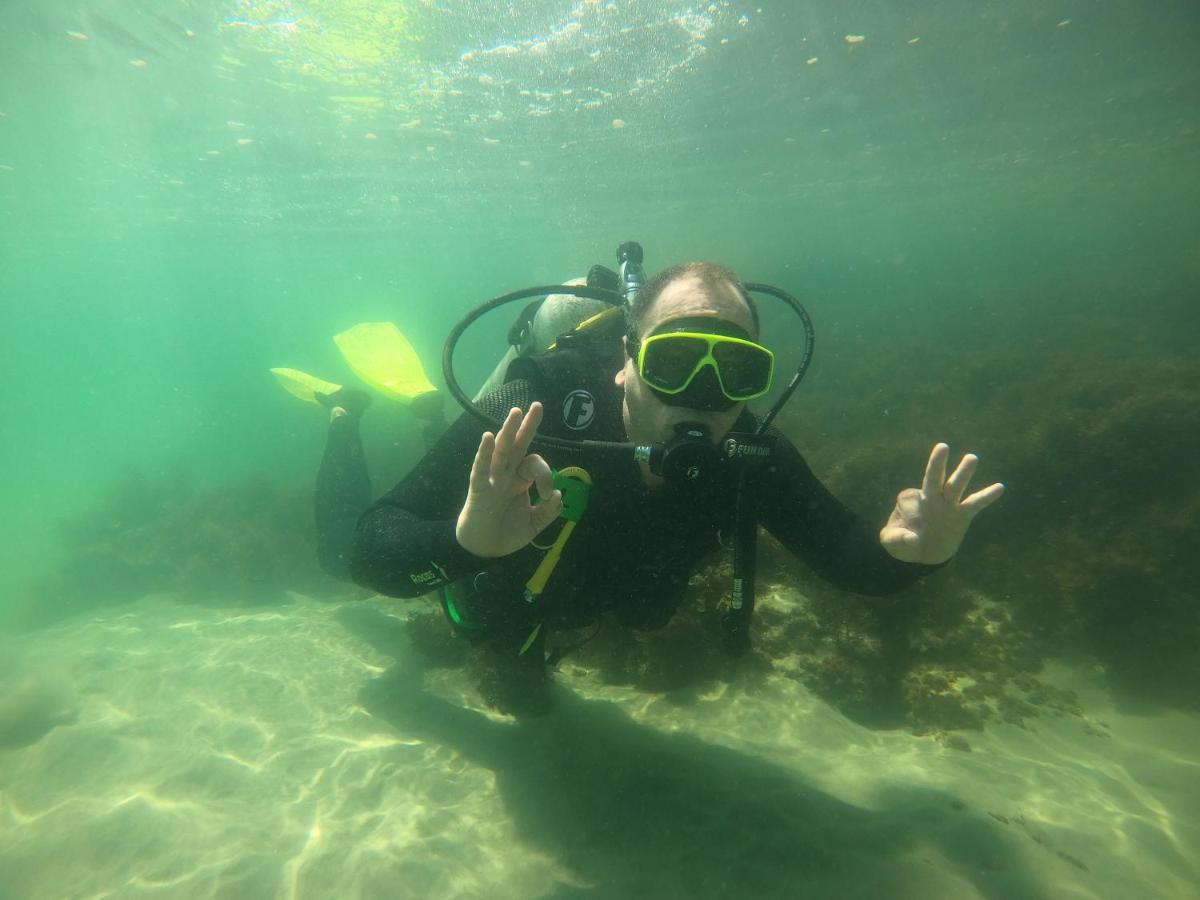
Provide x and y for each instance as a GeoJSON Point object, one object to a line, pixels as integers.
{"type": "Point", "coordinates": [174, 751]}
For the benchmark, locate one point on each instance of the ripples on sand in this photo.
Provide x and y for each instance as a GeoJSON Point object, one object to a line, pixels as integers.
{"type": "Point", "coordinates": [278, 753]}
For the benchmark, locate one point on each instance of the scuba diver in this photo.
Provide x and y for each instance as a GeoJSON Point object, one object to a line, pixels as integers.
{"type": "Point", "coordinates": [616, 462]}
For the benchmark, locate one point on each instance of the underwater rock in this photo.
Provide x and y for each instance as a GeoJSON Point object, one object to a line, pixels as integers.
{"type": "Point", "coordinates": [241, 544]}
{"type": "Point", "coordinates": [1089, 556]}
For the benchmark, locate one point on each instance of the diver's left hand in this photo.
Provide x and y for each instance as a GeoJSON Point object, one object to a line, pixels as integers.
{"type": "Point", "coordinates": [929, 523]}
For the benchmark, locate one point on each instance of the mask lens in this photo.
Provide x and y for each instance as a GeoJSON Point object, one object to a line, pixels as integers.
{"type": "Point", "coordinates": [668, 363]}
{"type": "Point", "coordinates": [745, 370]}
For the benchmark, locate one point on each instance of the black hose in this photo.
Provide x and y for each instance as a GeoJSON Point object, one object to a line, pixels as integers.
{"type": "Point", "coordinates": [805, 361]}
{"type": "Point", "coordinates": [456, 391]}
{"type": "Point", "coordinates": [614, 298]}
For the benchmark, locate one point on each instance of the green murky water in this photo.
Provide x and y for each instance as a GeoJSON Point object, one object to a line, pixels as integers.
{"type": "Point", "coordinates": [992, 211]}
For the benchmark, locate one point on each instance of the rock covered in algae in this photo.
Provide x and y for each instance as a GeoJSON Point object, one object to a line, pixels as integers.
{"type": "Point", "coordinates": [244, 543]}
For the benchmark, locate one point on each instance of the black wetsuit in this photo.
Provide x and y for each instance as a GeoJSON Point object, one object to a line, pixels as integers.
{"type": "Point", "coordinates": [635, 547]}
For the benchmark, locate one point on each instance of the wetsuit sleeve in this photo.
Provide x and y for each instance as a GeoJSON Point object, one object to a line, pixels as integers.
{"type": "Point", "coordinates": [840, 545]}
{"type": "Point", "coordinates": [404, 544]}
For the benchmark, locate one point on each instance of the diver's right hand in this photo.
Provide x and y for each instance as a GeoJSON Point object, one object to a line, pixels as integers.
{"type": "Point", "coordinates": [498, 517]}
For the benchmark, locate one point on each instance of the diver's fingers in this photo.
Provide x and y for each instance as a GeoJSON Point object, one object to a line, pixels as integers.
{"type": "Point", "coordinates": [908, 505]}
{"type": "Point", "coordinates": [982, 498]}
{"type": "Point", "coordinates": [898, 535]}
{"type": "Point", "coordinates": [502, 462]}
{"type": "Point", "coordinates": [956, 484]}
{"type": "Point", "coordinates": [935, 470]}
{"type": "Point", "coordinates": [482, 465]}
{"type": "Point", "coordinates": [535, 469]}
{"type": "Point", "coordinates": [528, 429]}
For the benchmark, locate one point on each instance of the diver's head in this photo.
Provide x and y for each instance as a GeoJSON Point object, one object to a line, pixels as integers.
{"type": "Point", "coordinates": [708, 281]}
{"type": "Point", "coordinates": [691, 354]}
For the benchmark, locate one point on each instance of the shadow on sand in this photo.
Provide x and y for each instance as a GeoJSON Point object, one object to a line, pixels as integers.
{"type": "Point", "coordinates": [636, 812]}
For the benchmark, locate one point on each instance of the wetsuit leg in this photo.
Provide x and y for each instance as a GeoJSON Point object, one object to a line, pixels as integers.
{"type": "Point", "coordinates": [343, 493]}
{"type": "Point", "coordinates": [431, 416]}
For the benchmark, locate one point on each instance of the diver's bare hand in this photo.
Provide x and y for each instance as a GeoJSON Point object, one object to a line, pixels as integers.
{"type": "Point", "coordinates": [499, 517]}
{"type": "Point", "coordinates": [929, 523]}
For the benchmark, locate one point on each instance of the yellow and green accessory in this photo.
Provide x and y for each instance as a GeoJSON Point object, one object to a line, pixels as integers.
{"type": "Point", "coordinates": [576, 486]}
{"type": "Point", "coordinates": [669, 361]}
{"type": "Point", "coordinates": [461, 599]}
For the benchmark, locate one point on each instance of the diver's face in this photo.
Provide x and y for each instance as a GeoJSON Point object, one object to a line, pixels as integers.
{"type": "Point", "coordinates": [647, 419]}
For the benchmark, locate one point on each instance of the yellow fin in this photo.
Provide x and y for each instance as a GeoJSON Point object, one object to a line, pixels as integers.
{"type": "Point", "coordinates": [382, 357]}
{"type": "Point", "coordinates": [302, 385]}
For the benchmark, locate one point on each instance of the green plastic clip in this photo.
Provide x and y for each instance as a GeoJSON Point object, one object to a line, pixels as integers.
{"type": "Point", "coordinates": [575, 493]}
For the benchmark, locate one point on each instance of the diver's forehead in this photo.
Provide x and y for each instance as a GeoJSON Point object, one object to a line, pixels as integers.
{"type": "Point", "coordinates": [706, 324]}
{"type": "Point", "coordinates": [688, 297]}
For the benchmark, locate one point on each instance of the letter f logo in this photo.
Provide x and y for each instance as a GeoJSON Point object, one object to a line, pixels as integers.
{"type": "Point", "coordinates": [578, 410]}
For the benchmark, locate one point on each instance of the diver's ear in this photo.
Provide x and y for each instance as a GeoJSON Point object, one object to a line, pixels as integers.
{"type": "Point", "coordinates": [619, 378]}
